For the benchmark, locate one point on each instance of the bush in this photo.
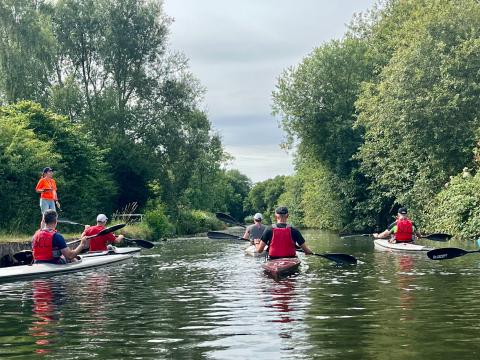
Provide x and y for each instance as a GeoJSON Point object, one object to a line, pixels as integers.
{"type": "Point", "coordinates": [157, 222]}
{"type": "Point", "coordinates": [196, 221]}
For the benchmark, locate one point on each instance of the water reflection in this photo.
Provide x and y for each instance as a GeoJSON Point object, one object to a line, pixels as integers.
{"type": "Point", "coordinates": [46, 314]}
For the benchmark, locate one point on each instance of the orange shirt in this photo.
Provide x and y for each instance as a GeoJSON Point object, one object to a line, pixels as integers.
{"type": "Point", "coordinates": [51, 189]}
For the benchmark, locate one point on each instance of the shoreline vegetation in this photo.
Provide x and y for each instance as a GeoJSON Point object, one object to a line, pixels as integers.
{"type": "Point", "coordinates": [386, 116]}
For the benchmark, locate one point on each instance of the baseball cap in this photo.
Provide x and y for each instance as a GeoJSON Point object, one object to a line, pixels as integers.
{"type": "Point", "coordinates": [281, 210]}
{"type": "Point", "coordinates": [47, 169]}
{"type": "Point", "coordinates": [258, 216]}
{"type": "Point", "coordinates": [102, 218]}
{"type": "Point", "coordinates": [402, 210]}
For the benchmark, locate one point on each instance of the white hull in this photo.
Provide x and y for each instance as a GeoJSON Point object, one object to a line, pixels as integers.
{"type": "Point", "coordinates": [385, 245]}
{"type": "Point", "coordinates": [14, 273]}
{"type": "Point", "coordinates": [252, 252]}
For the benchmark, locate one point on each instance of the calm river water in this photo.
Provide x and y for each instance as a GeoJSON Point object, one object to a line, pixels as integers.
{"type": "Point", "coordinates": [204, 299]}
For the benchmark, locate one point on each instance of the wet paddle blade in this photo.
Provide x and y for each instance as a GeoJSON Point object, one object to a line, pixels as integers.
{"type": "Point", "coordinates": [111, 229]}
{"type": "Point", "coordinates": [142, 243]}
{"type": "Point", "coordinates": [354, 235]}
{"type": "Point", "coordinates": [65, 221]}
{"type": "Point", "coordinates": [339, 258]}
{"type": "Point", "coordinates": [438, 237]}
{"type": "Point", "coordinates": [446, 253]}
{"type": "Point", "coordinates": [227, 219]}
{"type": "Point", "coordinates": [223, 236]}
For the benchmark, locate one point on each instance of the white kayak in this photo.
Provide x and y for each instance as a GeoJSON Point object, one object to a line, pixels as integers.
{"type": "Point", "coordinates": [252, 252]}
{"type": "Point", "coordinates": [113, 250]}
{"type": "Point", "coordinates": [21, 272]}
{"type": "Point", "coordinates": [385, 245]}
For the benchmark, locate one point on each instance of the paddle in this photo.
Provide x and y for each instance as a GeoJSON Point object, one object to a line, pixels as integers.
{"type": "Point", "coordinates": [448, 253]}
{"type": "Point", "coordinates": [228, 219]}
{"type": "Point", "coordinates": [338, 258]}
{"type": "Point", "coordinates": [433, 237]}
{"type": "Point", "coordinates": [142, 243]}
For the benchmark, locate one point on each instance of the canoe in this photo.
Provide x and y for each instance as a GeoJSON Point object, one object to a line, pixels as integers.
{"type": "Point", "coordinates": [385, 245]}
{"type": "Point", "coordinates": [277, 268]}
{"type": "Point", "coordinates": [22, 272]}
{"type": "Point", "coordinates": [252, 252]}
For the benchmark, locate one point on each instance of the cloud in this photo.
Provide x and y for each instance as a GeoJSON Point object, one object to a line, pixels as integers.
{"type": "Point", "coordinates": [238, 49]}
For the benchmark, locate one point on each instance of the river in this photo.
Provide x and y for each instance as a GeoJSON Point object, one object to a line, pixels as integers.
{"type": "Point", "coordinates": [204, 299]}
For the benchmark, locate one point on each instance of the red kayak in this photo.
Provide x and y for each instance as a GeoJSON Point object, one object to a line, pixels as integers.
{"type": "Point", "coordinates": [277, 268]}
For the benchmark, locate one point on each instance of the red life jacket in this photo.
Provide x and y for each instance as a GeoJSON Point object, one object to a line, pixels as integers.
{"type": "Point", "coordinates": [404, 231]}
{"type": "Point", "coordinates": [282, 244]}
{"type": "Point", "coordinates": [43, 245]}
{"type": "Point", "coordinates": [99, 243]}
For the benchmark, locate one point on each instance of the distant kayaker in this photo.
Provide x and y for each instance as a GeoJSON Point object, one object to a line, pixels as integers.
{"type": "Point", "coordinates": [255, 231]}
{"type": "Point", "coordinates": [281, 238]}
{"type": "Point", "coordinates": [47, 188]}
{"type": "Point", "coordinates": [402, 230]}
{"type": "Point", "coordinates": [48, 245]}
{"type": "Point", "coordinates": [100, 243]}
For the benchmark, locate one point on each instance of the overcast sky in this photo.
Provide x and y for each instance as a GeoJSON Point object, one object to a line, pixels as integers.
{"type": "Point", "coordinates": [237, 49]}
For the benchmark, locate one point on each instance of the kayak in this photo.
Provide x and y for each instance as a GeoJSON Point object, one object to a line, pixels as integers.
{"type": "Point", "coordinates": [385, 245]}
{"type": "Point", "coordinates": [252, 252]}
{"type": "Point", "coordinates": [21, 272]}
{"type": "Point", "coordinates": [113, 250]}
{"type": "Point", "coordinates": [277, 268]}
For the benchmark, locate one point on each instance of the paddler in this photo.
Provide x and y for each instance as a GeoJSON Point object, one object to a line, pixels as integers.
{"type": "Point", "coordinates": [47, 188]}
{"type": "Point", "coordinates": [282, 238]}
{"type": "Point", "coordinates": [48, 245]}
{"type": "Point", "coordinates": [101, 242]}
{"type": "Point", "coordinates": [255, 231]}
{"type": "Point", "coordinates": [401, 230]}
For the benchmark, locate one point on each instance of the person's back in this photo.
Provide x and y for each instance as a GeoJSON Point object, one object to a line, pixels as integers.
{"type": "Point", "coordinates": [255, 231]}
{"type": "Point", "coordinates": [282, 238]}
{"type": "Point", "coordinates": [100, 243]}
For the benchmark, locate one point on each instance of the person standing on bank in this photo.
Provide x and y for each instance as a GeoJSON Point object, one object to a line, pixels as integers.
{"type": "Point", "coordinates": [47, 188]}
{"type": "Point", "coordinates": [401, 231]}
{"type": "Point", "coordinates": [48, 245]}
{"type": "Point", "coordinates": [282, 238]}
{"type": "Point", "coordinates": [255, 231]}
{"type": "Point", "coordinates": [100, 243]}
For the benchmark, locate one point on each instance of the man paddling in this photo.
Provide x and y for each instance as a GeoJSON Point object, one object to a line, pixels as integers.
{"type": "Point", "coordinates": [101, 242]}
{"type": "Point", "coordinates": [255, 231]}
{"type": "Point", "coordinates": [401, 231]}
{"type": "Point", "coordinates": [48, 245]}
{"type": "Point", "coordinates": [281, 238]}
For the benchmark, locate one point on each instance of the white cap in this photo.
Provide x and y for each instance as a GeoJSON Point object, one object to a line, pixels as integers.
{"type": "Point", "coordinates": [102, 218]}
{"type": "Point", "coordinates": [258, 216]}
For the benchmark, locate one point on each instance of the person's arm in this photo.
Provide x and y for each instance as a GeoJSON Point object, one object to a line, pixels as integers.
{"type": "Point", "coordinates": [306, 249]}
{"type": "Point", "coordinates": [40, 188]}
{"type": "Point", "coordinates": [72, 254]}
{"type": "Point", "coordinates": [119, 239]}
{"type": "Point", "coordinates": [382, 235]}
{"type": "Point", "coordinates": [266, 237]}
{"type": "Point", "coordinates": [246, 235]}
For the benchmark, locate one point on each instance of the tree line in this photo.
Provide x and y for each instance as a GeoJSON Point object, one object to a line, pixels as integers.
{"type": "Point", "coordinates": [90, 88]}
{"type": "Point", "coordinates": [388, 116]}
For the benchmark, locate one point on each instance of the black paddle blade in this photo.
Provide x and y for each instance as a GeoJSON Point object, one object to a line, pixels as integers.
{"type": "Point", "coordinates": [223, 236]}
{"type": "Point", "coordinates": [227, 219]}
{"type": "Point", "coordinates": [142, 243]}
{"type": "Point", "coordinates": [111, 229]}
{"type": "Point", "coordinates": [446, 253]}
{"type": "Point", "coordinates": [340, 258]}
{"type": "Point", "coordinates": [438, 237]}
{"type": "Point", "coordinates": [24, 257]}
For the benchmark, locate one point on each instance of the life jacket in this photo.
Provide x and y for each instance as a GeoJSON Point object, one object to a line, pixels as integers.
{"type": "Point", "coordinates": [282, 243]}
{"type": "Point", "coordinates": [99, 243]}
{"type": "Point", "coordinates": [404, 231]}
{"type": "Point", "coordinates": [43, 245]}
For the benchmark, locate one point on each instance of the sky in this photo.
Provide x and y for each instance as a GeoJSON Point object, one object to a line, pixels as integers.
{"type": "Point", "coordinates": [238, 49]}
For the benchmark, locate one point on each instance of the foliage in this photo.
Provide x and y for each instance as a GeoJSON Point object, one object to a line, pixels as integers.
{"type": "Point", "coordinates": [264, 196]}
{"type": "Point", "coordinates": [157, 221]}
{"type": "Point", "coordinates": [456, 209]}
{"type": "Point", "coordinates": [420, 118]}
{"type": "Point", "coordinates": [196, 221]}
